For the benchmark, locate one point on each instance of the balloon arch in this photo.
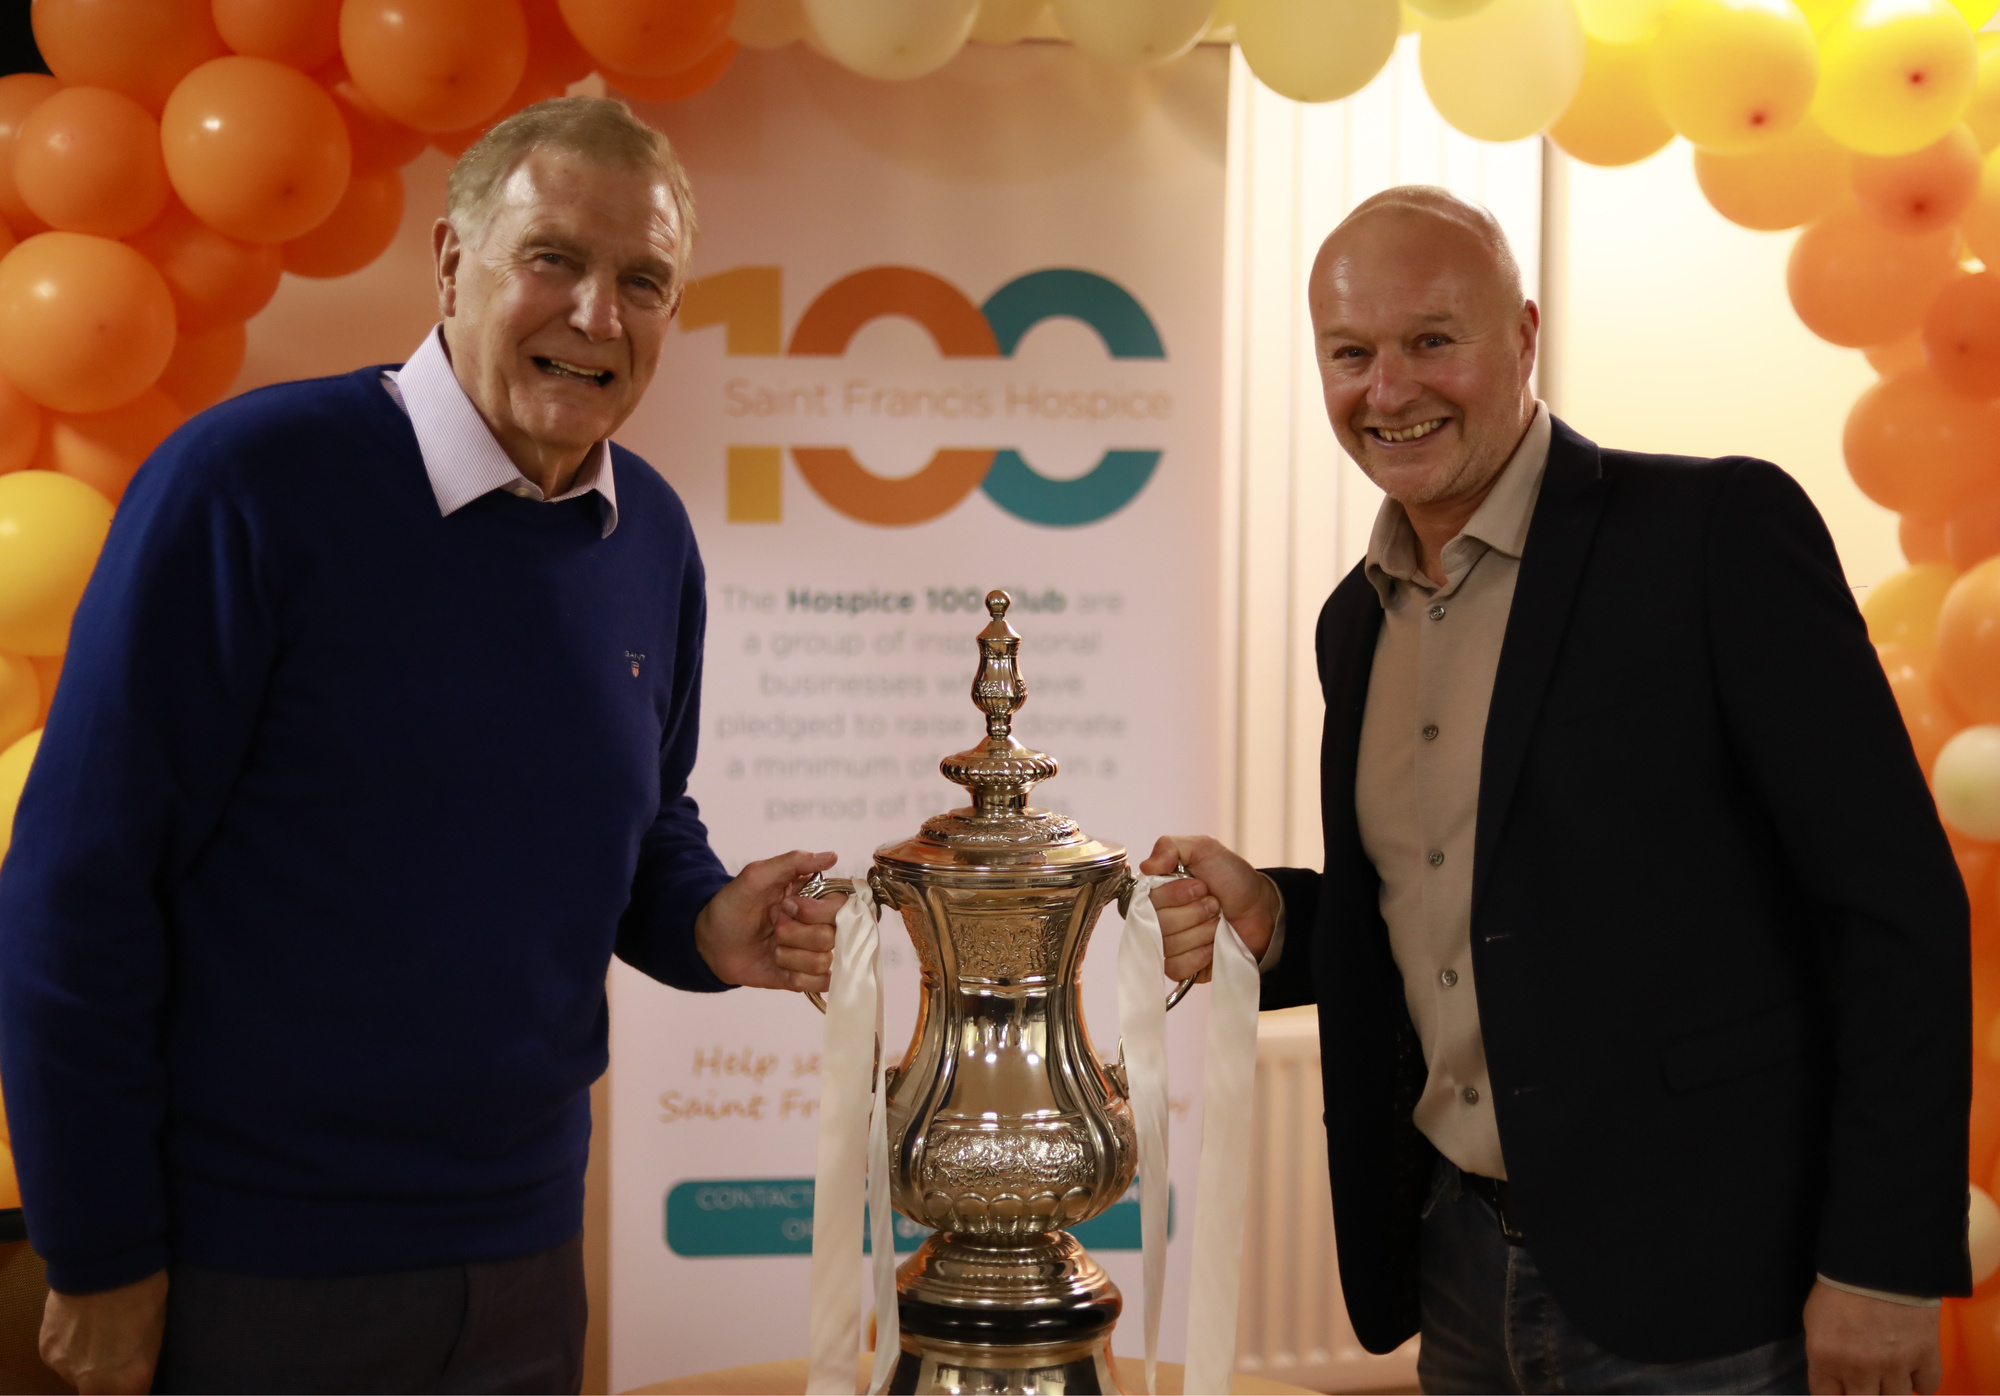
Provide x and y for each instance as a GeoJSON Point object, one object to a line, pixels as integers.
{"type": "Point", "coordinates": [186, 153]}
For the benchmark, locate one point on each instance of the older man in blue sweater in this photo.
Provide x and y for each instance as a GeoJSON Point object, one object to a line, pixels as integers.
{"type": "Point", "coordinates": [372, 750]}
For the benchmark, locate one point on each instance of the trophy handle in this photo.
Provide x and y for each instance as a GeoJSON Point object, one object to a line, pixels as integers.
{"type": "Point", "coordinates": [818, 885]}
{"type": "Point", "coordinates": [1180, 991]}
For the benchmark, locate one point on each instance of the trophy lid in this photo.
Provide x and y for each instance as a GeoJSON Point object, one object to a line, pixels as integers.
{"type": "Point", "coordinates": [1000, 825]}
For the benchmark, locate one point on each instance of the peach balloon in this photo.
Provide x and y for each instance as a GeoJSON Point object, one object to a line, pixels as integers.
{"type": "Point", "coordinates": [20, 428]}
{"type": "Point", "coordinates": [255, 150]}
{"type": "Point", "coordinates": [1856, 283]}
{"type": "Point", "coordinates": [1902, 608]}
{"type": "Point", "coordinates": [1923, 191]}
{"type": "Point", "coordinates": [1789, 180]}
{"type": "Point", "coordinates": [648, 38]}
{"type": "Point", "coordinates": [435, 65]}
{"type": "Point", "coordinates": [204, 367]}
{"type": "Point", "coordinates": [103, 449]}
{"type": "Point", "coordinates": [302, 34]}
{"type": "Point", "coordinates": [1972, 529]}
{"type": "Point", "coordinates": [1612, 120]}
{"type": "Point", "coordinates": [1961, 335]}
{"type": "Point", "coordinates": [142, 48]}
{"type": "Point", "coordinates": [1921, 538]}
{"type": "Point", "coordinates": [20, 93]}
{"type": "Point", "coordinates": [1928, 715]}
{"type": "Point", "coordinates": [378, 143]}
{"type": "Point", "coordinates": [88, 161]}
{"type": "Point", "coordinates": [1915, 446]}
{"type": "Point", "coordinates": [1897, 355]}
{"type": "Point", "coordinates": [554, 55]}
{"type": "Point", "coordinates": [214, 280]}
{"type": "Point", "coordinates": [359, 229]}
{"type": "Point", "coordinates": [1732, 75]}
{"type": "Point", "coordinates": [86, 324]}
{"type": "Point", "coordinates": [1980, 223]}
{"type": "Point", "coordinates": [677, 87]}
{"type": "Point", "coordinates": [1968, 642]}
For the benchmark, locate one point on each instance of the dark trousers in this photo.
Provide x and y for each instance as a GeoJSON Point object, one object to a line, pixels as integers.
{"type": "Point", "coordinates": [494, 1326]}
{"type": "Point", "coordinates": [1489, 1324]}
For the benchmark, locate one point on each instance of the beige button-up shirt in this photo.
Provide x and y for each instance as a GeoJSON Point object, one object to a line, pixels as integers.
{"type": "Point", "coordinates": [1417, 786]}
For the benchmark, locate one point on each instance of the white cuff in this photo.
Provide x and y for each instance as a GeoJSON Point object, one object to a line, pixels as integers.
{"type": "Point", "coordinates": [1883, 1294]}
{"type": "Point", "coordinates": [1275, 951]}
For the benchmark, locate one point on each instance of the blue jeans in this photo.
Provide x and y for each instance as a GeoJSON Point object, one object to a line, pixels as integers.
{"type": "Point", "coordinates": [1489, 1323]}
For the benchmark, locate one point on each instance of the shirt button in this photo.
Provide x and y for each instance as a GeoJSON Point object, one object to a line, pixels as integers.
{"type": "Point", "coordinates": [1431, 732]}
{"type": "Point", "coordinates": [1448, 977]}
{"type": "Point", "coordinates": [1437, 613]}
{"type": "Point", "coordinates": [1472, 1095]}
{"type": "Point", "coordinates": [1437, 857]}
{"type": "Point", "coordinates": [519, 491]}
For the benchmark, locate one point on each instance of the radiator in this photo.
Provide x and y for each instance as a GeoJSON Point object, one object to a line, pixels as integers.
{"type": "Point", "coordinates": [1292, 1323]}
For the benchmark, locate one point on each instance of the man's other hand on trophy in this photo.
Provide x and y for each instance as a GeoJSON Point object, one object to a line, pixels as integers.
{"type": "Point", "coordinates": [1218, 883]}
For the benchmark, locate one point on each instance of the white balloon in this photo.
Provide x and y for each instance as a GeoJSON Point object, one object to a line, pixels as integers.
{"type": "Point", "coordinates": [892, 39]}
{"type": "Point", "coordinates": [1507, 71]}
{"type": "Point", "coordinates": [1967, 781]}
{"type": "Point", "coordinates": [1006, 21]}
{"type": "Point", "coordinates": [768, 23]}
{"type": "Point", "coordinates": [1317, 50]}
{"type": "Point", "coordinates": [1135, 33]}
{"type": "Point", "coordinates": [1982, 1235]}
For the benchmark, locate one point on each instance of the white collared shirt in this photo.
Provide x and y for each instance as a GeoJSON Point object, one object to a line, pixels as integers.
{"type": "Point", "coordinates": [461, 455]}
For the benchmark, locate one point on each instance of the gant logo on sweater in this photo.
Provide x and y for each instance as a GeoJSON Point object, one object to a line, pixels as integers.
{"type": "Point", "coordinates": [636, 660]}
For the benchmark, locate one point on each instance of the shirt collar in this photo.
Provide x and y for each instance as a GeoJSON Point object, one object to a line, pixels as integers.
{"type": "Point", "coordinates": [1500, 523]}
{"type": "Point", "coordinates": [461, 455]}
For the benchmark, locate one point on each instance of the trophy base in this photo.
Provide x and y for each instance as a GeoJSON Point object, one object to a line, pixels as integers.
{"type": "Point", "coordinates": [1032, 1318]}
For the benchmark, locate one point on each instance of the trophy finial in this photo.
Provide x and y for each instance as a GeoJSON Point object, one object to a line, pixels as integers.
{"type": "Point", "coordinates": [999, 771]}
{"type": "Point", "coordinates": [997, 602]}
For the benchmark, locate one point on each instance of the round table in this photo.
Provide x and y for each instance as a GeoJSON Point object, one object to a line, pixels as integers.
{"type": "Point", "coordinates": [788, 1377]}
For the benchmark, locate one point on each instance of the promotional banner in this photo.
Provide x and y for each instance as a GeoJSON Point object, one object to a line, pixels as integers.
{"type": "Point", "coordinates": [943, 336]}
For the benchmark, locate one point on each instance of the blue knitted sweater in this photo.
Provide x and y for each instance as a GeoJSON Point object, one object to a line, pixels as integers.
{"type": "Point", "coordinates": [341, 813]}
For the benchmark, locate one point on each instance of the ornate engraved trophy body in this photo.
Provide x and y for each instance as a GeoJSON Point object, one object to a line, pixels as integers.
{"type": "Point", "coordinates": [1004, 1127]}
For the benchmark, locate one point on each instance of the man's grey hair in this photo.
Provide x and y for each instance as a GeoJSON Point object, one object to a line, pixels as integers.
{"type": "Point", "coordinates": [597, 128]}
{"type": "Point", "coordinates": [1431, 201]}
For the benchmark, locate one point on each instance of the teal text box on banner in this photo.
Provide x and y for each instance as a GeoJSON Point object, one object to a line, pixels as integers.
{"type": "Point", "coordinates": [773, 1216]}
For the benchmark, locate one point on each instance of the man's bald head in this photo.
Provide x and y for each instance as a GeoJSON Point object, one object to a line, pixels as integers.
{"type": "Point", "coordinates": [1425, 345]}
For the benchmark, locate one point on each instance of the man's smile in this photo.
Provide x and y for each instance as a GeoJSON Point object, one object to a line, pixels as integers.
{"type": "Point", "coordinates": [1410, 433]}
{"type": "Point", "coordinates": [562, 368]}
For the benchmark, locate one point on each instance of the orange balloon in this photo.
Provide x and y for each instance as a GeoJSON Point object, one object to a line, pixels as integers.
{"type": "Point", "coordinates": [256, 150]}
{"type": "Point", "coordinates": [204, 367]}
{"type": "Point", "coordinates": [358, 231]}
{"type": "Point", "coordinates": [1923, 191]}
{"type": "Point", "coordinates": [378, 143]}
{"type": "Point", "coordinates": [86, 324]}
{"type": "Point", "coordinates": [648, 38]}
{"type": "Point", "coordinates": [20, 428]}
{"type": "Point", "coordinates": [1612, 119]}
{"type": "Point", "coordinates": [88, 161]}
{"type": "Point", "coordinates": [302, 34]}
{"type": "Point", "coordinates": [1897, 355]}
{"type": "Point", "coordinates": [1972, 529]}
{"type": "Point", "coordinates": [1921, 537]}
{"type": "Point", "coordinates": [1928, 715]}
{"type": "Point", "coordinates": [7, 239]}
{"type": "Point", "coordinates": [531, 91]}
{"type": "Point", "coordinates": [679, 86]}
{"type": "Point", "coordinates": [1975, 865]}
{"type": "Point", "coordinates": [1985, 1141]}
{"type": "Point", "coordinates": [1969, 642]}
{"type": "Point", "coordinates": [142, 48]}
{"type": "Point", "coordinates": [214, 280]}
{"type": "Point", "coordinates": [1962, 335]}
{"type": "Point", "coordinates": [435, 65]}
{"type": "Point", "coordinates": [554, 55]}
{"type": "Point", "coordinates": [1856, 283]}
{"type": "Point", "coordinates": [1789, 180]}
{"type": "Point", "coordinates": [48, 669]}
{"type": "Point", "coordinates": [1979, 1333]}
{"type": "Point", "coordinates": [1957, 1371]}
{"type": "Point", "coordinates": [20, 93]}
{"type": "Point", "coordinates": [103, 449]}
{"type": "Point", "coordinates": [1915, 446]}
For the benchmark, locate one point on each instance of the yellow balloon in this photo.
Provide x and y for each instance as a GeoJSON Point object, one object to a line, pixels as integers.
{"type": "Point", "coordinates": [1976, 12]}
{"type": "Point", "coordinates": [1784, 183]}
{"type": "Point", "coordinates": [14, 763]}
{"type": "Point", "coordinates": [51, 528]}
{"type": "Point", "coordinates": [890, 39]}
{"type": "Point", "coordinates": [10, 1183]}
{"type": "Point", "coordinates": [1446, 9]}
{"type": "Point", "coordinates": [1621, 21]}
{"type": "Point", "coordinates": [1895, 75]}
{"type": "Point", "coordinates": [1507, 71]}
{"type": "Point", "coordinates": [1000, 21]}
{"type": "Point", "coordinates": [1732, 75]}
{"type": "Point", "coordinates": [1903, 609]}
{"type": "Point", "coordinates": [1979, 225]}
{"type": "Point", "coordinates": [1134, 33]}
{"type": "Point", "coordinates": [1317, 50]}
{"type": "Point", "coordinates": [1982, 109]}
{"type": "Point", "coordinates": [1612, 120]}
{"type": "Point", "coordinates": [1821, 13]}
{"type": "Point", "coordinates": [20, 699]}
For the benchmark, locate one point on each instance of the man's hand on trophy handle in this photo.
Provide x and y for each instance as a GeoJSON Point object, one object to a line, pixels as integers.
{"type": "Point", "coordinates": [1218, 882]}
{"type": "Point", "coordinates": [758, 931]}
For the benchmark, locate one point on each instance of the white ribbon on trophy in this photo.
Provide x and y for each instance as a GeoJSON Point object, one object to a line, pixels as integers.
{"type": "Point", "coordinates": [854, 1144]}
{"type": "Point", "coordinates": [853, 1147]}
